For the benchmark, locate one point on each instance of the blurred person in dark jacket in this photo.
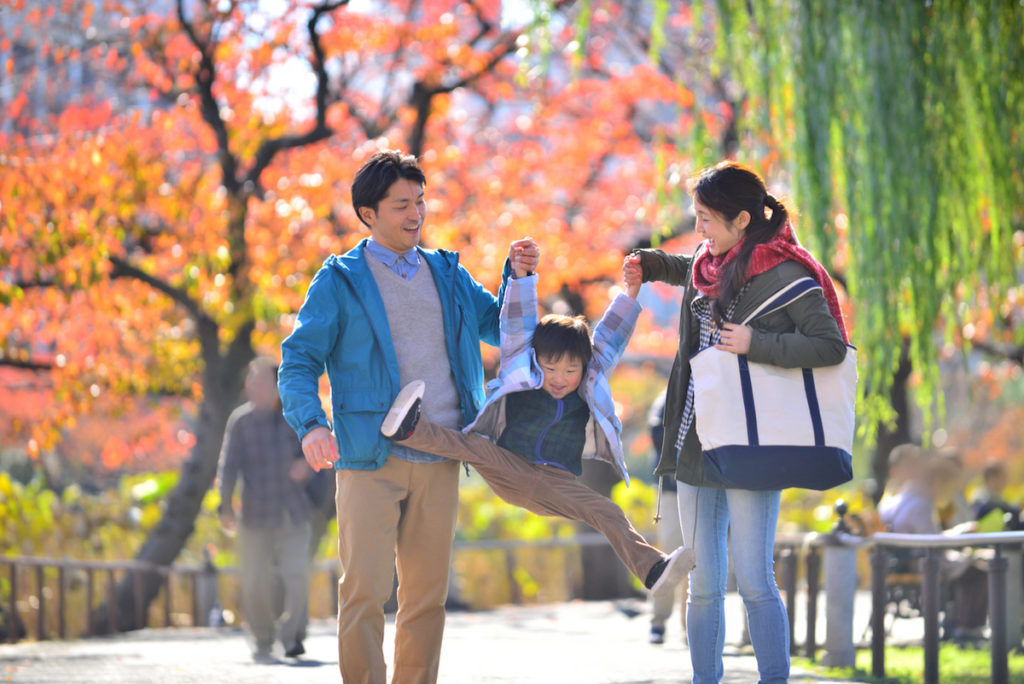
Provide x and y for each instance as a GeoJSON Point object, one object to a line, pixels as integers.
{"type": "Point", "coordinates": [274, 531]}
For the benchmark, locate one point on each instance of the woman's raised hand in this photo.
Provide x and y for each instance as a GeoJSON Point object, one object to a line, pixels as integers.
{"type": "Point", "coordinates": [632, 274]}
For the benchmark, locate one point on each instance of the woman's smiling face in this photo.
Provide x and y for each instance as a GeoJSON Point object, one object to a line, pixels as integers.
{"type": "Point", "coordinates": [721, 235]}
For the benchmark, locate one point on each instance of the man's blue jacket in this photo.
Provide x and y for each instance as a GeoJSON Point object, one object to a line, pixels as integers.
{"type": "Point", "coordinates": [342, 326]}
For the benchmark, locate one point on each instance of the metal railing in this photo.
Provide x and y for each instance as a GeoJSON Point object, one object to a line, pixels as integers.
{"type": "Point", "coordinates": [52, 579]}
{"type": "Point", "coordinates": [791, 547]}
{"type": "Point", "coordinates": [932, 546]}
{"type": "Point", "coordinates": [64, 568]}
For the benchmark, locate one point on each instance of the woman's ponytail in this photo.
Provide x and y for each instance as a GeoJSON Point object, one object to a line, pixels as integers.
{"type": "Point", "coordinates": [779, 212]}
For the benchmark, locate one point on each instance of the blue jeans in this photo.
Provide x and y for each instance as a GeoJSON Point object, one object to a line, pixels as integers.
{"type": "Point", "coordinates": [745, 520]}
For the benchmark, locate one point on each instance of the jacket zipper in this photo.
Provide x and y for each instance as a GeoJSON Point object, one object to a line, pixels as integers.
{"type": "Point", "coordinates": [456, 309]}
{"type": "Point", "coordinates": [544, 433]}
{"type": "Point", "coordinates": [458, 333]}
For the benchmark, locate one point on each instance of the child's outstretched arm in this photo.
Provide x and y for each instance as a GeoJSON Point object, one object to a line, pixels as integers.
{"type": "Point", "coordinates": [519, 310]}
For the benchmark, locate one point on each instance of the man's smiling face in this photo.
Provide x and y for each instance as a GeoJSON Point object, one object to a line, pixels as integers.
{"type": "Point", "coordinates": [397, 222]}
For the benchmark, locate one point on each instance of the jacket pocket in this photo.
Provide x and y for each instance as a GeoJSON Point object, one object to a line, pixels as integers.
{"type": "Point", "coordinates": [357, 401]}
{"type": "Point", "coordinates": [357, 419]}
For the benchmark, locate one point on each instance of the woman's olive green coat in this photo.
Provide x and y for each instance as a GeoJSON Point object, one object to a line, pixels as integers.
{"type": "Point", "coordinates": [802, 335]}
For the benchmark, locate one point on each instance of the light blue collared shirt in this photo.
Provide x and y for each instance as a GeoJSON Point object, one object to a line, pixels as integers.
{"type": "Point", "coordinates": [406, 266]}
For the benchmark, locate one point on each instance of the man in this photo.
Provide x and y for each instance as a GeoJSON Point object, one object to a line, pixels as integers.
{"type": "Point", "coordinates": [275, 527]}
{"type": "Point", "coordinates": [383, 314]}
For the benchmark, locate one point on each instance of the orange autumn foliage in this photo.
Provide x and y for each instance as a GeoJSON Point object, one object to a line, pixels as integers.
{"type": "Point", "coordinates": [122, 233]}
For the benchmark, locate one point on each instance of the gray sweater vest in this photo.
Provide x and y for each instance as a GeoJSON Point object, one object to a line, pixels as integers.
{"type": "Point", "coordinates": [413, 310]}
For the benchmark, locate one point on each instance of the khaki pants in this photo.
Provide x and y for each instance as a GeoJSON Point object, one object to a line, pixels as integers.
{"type": "Point", "coordinates": [544, 490]}
{"type": "Point", "coordinates": [264, 552]}
{"type": "Point", "coordinates": [408, 508]}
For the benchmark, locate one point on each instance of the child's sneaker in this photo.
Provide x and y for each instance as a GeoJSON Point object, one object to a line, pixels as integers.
{"type": "Point", "coordinates": [405, 412]}
{"type": "Point", "coordinates": [678, 564]}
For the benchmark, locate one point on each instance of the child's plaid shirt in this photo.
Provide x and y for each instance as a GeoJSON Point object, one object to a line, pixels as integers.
{"type": "Point", "coordinates": [520, 371]}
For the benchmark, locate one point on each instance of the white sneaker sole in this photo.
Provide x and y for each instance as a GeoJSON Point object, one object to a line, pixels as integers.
{"type": "Point", "coordinates": [403, 402]}
{"type": "Point", "coordinates": [680, 563]}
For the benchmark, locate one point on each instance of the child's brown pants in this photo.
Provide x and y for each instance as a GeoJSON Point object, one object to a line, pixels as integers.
{"type": "Point", "coordinates": [544, 490]}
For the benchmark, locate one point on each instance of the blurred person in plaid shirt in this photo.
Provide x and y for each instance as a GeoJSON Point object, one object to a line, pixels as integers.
{"type": "Point", "coordinates": [274, 534]}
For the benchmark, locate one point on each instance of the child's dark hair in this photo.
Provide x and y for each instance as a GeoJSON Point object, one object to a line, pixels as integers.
{"type": "Point", "coordinates": [557, 335]}
{"type": "Point", "coordinates": [378, 174]}
{"type": "Point", "coordinates": [729, 188]}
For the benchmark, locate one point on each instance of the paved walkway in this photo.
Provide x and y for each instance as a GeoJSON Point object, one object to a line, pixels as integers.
{"type": "Point", "coordinates": [565, 643]}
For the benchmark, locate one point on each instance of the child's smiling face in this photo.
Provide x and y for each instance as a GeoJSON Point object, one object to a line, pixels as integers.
{"type": "Point", "coordinates": [562, 375]}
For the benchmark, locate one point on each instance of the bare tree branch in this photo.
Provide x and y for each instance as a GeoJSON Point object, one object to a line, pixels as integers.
{"type": "Point", "coordinates": [485, 26]}
{"type": "Point", "coordinates": [1015, 354]}
{"type": "Point", "coordinates": [123, 269]}
{"type": "Point", "coordinates": [205, 76]}
{"type": "Point", "coordinates": [320, 130]}
{"type": "Point", "coordinates": [423, 93]}
{"type": "Point", "coordinates": [31, 284]}
{"type": "Point", "coordinates": [25, 365]}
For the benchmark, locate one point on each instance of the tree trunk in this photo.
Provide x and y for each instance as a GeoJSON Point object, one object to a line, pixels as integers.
{"type": "Point", "coordinates": [900, 432]}
{"type": "Point", "coordinates": [223, 379]}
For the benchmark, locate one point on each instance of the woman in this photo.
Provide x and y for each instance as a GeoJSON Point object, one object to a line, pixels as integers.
{"type": "Point", "coordinates": [749, 253]}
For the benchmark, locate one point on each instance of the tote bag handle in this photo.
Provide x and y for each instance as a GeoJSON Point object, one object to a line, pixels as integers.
{"type": "Point", "coordinates": [784, 297]}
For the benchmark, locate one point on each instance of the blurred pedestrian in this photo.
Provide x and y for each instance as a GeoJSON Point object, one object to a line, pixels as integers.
{"type": "Point", "coordinates": [670, 533]}
{"type": "Point", "coordinates": [274, 531]}
{"type": "Point", "coordinates": [320, 489]}
{"type": "Point", "coordinates": [908, 504]}
{"type": "Point", "coordinates": [991, 499]}
{"type": "Point", "coordinates": [914, 509]}
{"type": "Point", "coordinates": [950, 490]}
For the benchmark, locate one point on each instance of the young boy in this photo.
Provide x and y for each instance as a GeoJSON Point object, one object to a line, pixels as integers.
{"type": "Point", "coordinates": [550, 402]}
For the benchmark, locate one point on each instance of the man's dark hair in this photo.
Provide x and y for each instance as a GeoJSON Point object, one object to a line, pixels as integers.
{"type": "Point", "coordinates": [378, 174]}
{"type": "Point", "coordinates": [557, 335]}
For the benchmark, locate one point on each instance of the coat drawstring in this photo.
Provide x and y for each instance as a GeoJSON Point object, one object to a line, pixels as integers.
{"type": "Point", "coordinates": [657, 508]}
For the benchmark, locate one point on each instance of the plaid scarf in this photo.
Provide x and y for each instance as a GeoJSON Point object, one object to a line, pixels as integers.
{"type": "Point", "coordinates": [709, 334]}
{"type": "Point", "coordinates": [707, 269]}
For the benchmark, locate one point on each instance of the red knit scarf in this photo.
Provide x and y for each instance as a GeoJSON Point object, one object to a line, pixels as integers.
{"type": "Point", "coordinates": [707, 269]}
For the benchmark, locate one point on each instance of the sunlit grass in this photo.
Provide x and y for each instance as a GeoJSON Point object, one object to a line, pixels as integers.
{"type": "Point", "coordinates": [905, 665]}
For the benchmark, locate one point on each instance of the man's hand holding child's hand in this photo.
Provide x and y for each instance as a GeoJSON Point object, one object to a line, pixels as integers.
{"type": "Point", "coordinates": [523, 255]}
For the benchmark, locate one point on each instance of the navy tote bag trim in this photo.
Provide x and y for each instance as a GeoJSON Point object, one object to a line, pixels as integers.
{"type": "Point", "coordinates": [777, 467]}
